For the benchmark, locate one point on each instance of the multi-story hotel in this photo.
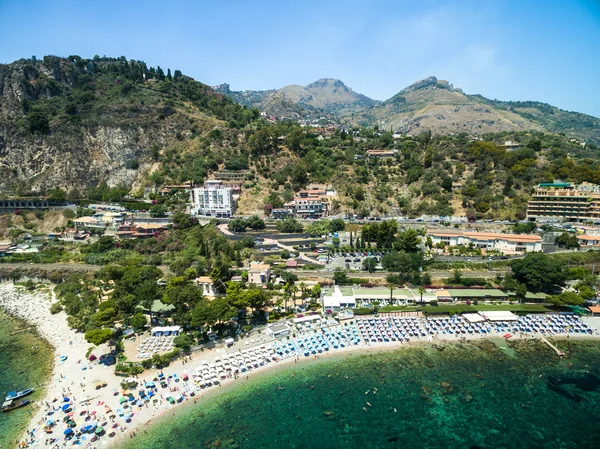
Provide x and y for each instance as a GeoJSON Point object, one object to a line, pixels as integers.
{"type": "Point", "coordinates": [213, 200]}
{"type": "Point", "coordinates": [565, 201]}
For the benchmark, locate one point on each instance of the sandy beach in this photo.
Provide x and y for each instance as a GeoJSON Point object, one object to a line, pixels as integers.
{"type": "Point", "coordinates": [75, 377]}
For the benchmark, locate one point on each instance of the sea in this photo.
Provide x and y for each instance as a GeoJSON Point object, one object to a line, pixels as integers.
{"type": "Point", "coordinates": [25, 361]}
{"type": "Point", "coordinates": [481, 394]}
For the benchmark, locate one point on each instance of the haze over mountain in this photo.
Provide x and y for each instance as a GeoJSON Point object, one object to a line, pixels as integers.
{"type": "Point", "coordinates": [429, 104]}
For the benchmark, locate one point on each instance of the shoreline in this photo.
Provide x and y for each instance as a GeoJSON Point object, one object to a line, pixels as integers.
{"type": "Point", "coordinates": [75, 377]}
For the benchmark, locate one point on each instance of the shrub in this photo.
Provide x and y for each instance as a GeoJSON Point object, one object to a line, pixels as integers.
{"type": "Point", "coordinates": [56, 308]}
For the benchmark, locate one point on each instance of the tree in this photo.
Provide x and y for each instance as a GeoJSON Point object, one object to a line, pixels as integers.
{"type": "Point", "coordinates": [98, 336]}
{"type": "Point", "coordinates": [421, 290]}
{"type": "Point", "coordinates": [409, 241]}
{"type": "Point", "coordinates": [289, 226]}
{"type": "Point", "coordinates": [369, 264]}
{"type": "Point", "coordinates": [566, 298]}
{"type": "Point", "coordinates": [38, 122]}
{"type": "Point", "coordinates": [183, 341]}
{"type": "Point", "coordinates": [158, 210]}
{"type": "Point", "coordinates": [237, 225]}
{"type": "Point", "coordinates": [539, 272]}
{"type": "Point", "coordinates": [285, 254]}
{"type": "Point", "coordinates": [138, 321]}
{"type": "Point", "coordinates": [447, 183]}
{"type": "Point", "coordinates": [567, 240]}
{"type": "Point", "coordinates": [337, 224]}
{"type": "Point", "coordinates": [255, 222]}
{"type": "Point", "coordinates": [340, 277]}
{"type": "Point", "coordinates": [57, 195]}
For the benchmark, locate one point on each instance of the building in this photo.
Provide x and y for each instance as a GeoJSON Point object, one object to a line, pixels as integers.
{"type": "Point", "coordinates": [89, 222]}
{"type": "Point", "coordinates": [586, 240]}
{"type": "Point", "coordinates": [281, 213]}
{"type": "Point", "coordinates": [346, 296]}
{"type": "Point", "coordinates": [563, 201]}
{"type": "Point", "coordinates": [505, 243]}
{"type": "Point", "coordinates": [307, 207]}
{"type": "Point", "coordinates": [381, 153]}
{"type": "Point", "coordinates": [147, 230]}
{"type": "Point", "coordinates": [278, 330]}
{"type": "Point", "coordinates": [213, 200]}
{"type": "Point", "coordinates": [291, 263]}
{"type": "Point", "coordinates": [259, 273]}
{"type": "Point", "coordinates": [206, 284]}
{"type": "Point", "coordinates": [511, 146]}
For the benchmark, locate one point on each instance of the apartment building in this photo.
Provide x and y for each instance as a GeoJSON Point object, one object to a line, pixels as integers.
{"type": "Point", "coordinates": [307, 207]}
{"type": "Point", "coordinates": [214, 200]}
{"type": "Point", "coordinates": [563, 201]}
{"type": "Point", "coordinates": [506, 243]}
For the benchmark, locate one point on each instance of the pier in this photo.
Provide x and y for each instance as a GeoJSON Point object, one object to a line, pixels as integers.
{"type": "Point", "coordinates": [554, 348]}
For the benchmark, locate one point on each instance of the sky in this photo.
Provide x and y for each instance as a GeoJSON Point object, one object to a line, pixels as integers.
{"type": "Point", "coordinates": [502, 49]}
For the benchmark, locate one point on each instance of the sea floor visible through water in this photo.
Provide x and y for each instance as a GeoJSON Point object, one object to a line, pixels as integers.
{"type": "Point", "coordinates": [481, 394]}
{"type": "Point", "coordinates": [25, 362]}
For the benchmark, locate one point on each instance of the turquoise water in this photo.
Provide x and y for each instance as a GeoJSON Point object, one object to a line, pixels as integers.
{"type": "Point", "coordinates": [25, 361]}
{"type": "Point", "coordinates": [469, 395]}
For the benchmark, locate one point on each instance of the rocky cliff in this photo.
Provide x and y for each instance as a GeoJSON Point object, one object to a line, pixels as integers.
{"type": "Point", "coordinates": [73, 123]}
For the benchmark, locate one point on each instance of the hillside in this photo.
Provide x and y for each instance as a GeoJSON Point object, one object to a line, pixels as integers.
{"type": "Point", "coordinates": [429, 104]}
{"type": "Point", "coordinates": [72, 123]}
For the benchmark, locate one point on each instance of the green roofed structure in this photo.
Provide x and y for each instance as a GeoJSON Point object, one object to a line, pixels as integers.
{"type": "Point", "coordinates": [463, 294]}
{"type": "Point", "coordinates": [555, 184]}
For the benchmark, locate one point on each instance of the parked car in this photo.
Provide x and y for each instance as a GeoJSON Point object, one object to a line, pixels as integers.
{"type": "Point", "coordinates": [356, 259]}
{"type": "Point", "coordinates": [348, 260]}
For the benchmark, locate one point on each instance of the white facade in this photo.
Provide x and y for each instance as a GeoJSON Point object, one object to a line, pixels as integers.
{"type": "Point", "coordinates": [506, 243]}
{"type": "Point", "coordinates": [213, 200]}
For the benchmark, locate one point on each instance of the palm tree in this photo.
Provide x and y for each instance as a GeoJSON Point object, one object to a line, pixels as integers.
{"type": "Point", "coordinates": [391, 286]}
{"type": "Point", "coordinates": [421, 290]}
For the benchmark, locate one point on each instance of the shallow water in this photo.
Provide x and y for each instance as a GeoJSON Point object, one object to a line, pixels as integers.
{"type": "Point", "coordinates": [25, 361]}
{"type": "Point", "coordinates": [466, 395]}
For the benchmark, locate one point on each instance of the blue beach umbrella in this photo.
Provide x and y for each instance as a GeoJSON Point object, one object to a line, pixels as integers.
{"type": "Point", "coordinates": [66, 400]}
{"type": "Point", "coordinates": [68, 431]}
{"type": "Point", "coordinates": [66, 407]}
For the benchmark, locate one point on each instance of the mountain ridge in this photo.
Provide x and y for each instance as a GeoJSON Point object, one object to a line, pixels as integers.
{"type": "Point", "coordinates": [428, 104]}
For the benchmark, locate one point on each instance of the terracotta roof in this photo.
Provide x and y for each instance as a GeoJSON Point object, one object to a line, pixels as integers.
{"type": "Point", "coordinates": [508, 237]}
{"type": "Point", "coordinates": [204, 280]}
{"type": "Point", "coordinates": [291, 263]}
{"type": "Point", "coordinates": [594, 309]}
{"type": "Point", "coordinates": [489, 236]}
{"type": "Point", "coordinates": [86, 220]}
{"type": "Point", "coordinates": [259, 266]}
{"type": "Point", "coordinates": [588, 237]}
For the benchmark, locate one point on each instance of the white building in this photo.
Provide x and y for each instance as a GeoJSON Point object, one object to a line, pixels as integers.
{"type": "Point", "coordinates": [213, 200]}
{"type": "Point", "coordinates": [505, 243]}
{"type": "Point", "coordinates": [259, 273]}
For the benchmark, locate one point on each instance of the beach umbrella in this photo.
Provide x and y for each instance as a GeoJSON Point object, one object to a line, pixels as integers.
{"type": "Point", "coordinates": [123, 399]}
{"type": "Point", "coordinates": [99, 430]}
{"type": "Point", "coordinates": [49, 422]}
{"type": "Point", "coordinates": [65, 407]}
{"type": "Point", "coordinates": [66, 399]}
{"type": "Point", "coordinates": [68, 431]}
{"type": "Point", "coordinates": [131, 398]}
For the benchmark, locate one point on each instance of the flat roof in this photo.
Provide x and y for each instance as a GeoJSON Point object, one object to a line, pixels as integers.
{"type": "Point", "coordinates": [476, 293]}
{"type": "Point", "coordinates": [555, 184]}
{"type": "Point", "coordinates": [498, 315]}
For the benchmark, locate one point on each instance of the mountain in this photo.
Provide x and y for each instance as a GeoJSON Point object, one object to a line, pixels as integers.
{"type": "Point", "coordinates": [428, 104]}
{"type": "Point", "coordinates": [329, 96]}
{"type": "Point", "coordinates": [72, 123]}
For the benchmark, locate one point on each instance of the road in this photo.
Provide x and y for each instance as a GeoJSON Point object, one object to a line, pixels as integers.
{"type": "Point", "coordinates": [435, 274]}
{"type": "Point", "coordinates": [54, 266]}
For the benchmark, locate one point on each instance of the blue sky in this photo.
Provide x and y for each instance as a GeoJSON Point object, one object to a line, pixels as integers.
{"type": "Point", "coordinates": [510, 50]}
